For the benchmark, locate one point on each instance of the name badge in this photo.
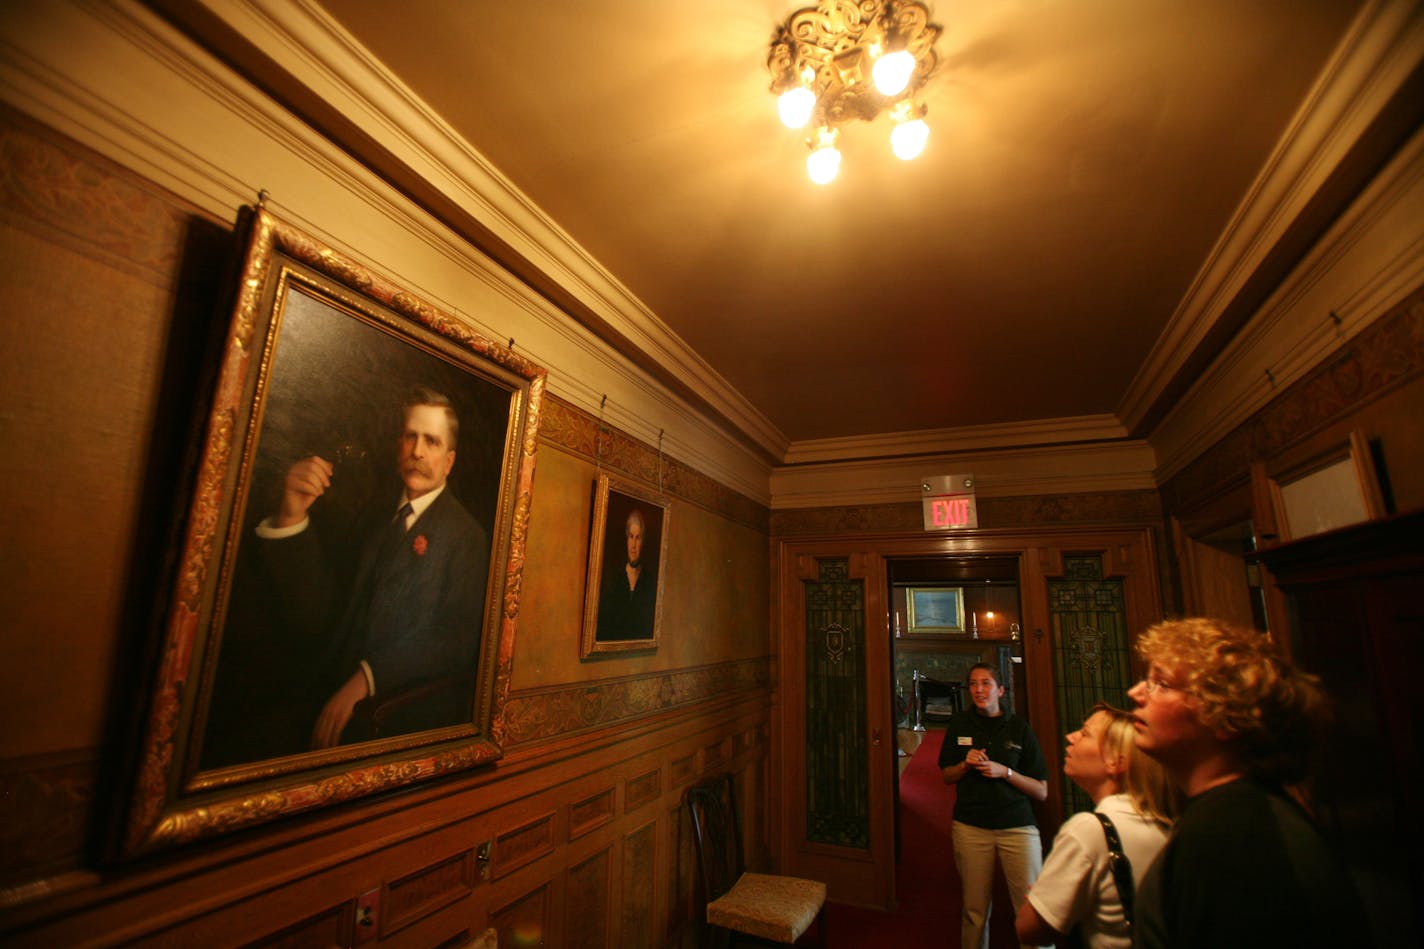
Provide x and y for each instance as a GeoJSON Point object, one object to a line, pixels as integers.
{"type": "Point", "coordinates": [966, 739]}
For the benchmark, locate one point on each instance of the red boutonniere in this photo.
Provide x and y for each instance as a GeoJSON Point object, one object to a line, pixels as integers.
{"type": "Point", "coordinates": [421, 545]}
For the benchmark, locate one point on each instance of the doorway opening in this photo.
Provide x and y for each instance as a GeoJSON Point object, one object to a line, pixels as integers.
{"type": "Point", "coordinates": [946, 614]}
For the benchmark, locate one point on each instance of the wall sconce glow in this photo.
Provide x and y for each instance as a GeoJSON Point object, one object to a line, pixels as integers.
{"type": "Point", "coordinates": [892, 72]}
{"type": "Point", "coordinates": [908, 139]}
{"type": "Point", "coordinates": [824, 163]}
{"type": "Point", "coordinates": [822, 56]}
{"type": "Point", "coordinates": [795, 106]}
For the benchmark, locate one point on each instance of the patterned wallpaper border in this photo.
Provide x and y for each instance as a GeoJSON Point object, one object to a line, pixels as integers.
{"type": "Point", "coordinates": [542, 714]}
{"type": "Point", "coordinates": [66, 193]}
{"type": "Point", "coordinates": [1385, 356]}
{"type": "Point", "coordinates": [1114, 507]}
{"type": "Point", "coordinates": [576, 431]}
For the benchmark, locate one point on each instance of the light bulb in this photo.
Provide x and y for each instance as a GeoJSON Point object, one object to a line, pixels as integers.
{"type": "Point", "coordinates": [892, 72]}
{"type": "Point", "coordinates": [795, 106]}
{"type": "Point", "coordinates": [823, 164]}
{"type": "Point", "coordinates": [908, 139]}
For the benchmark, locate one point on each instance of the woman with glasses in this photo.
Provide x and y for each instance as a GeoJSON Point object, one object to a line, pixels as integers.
{"type": "Point", "coordinates": [1234, 724]}
{"type": "Point", "coordinates": [1080, 883]}
{"type": "Point", "coordinates": [993, 758]}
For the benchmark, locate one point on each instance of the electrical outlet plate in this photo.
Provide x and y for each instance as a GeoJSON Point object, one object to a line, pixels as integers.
{"type": "Point", "coordinates": [368, 916]}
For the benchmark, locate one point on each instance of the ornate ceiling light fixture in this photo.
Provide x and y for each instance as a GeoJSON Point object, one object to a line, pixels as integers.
{"type": "Point", "coordinates": [853, 59]}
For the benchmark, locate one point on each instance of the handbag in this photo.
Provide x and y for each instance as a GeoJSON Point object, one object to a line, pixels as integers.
{"type": "Point", "coordinates": [1121, 869]}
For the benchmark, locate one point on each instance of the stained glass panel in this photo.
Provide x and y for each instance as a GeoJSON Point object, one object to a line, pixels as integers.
{"type": "Point", "coordinates": [1090, 654]}
{"type": "Point", "coordinates": [837, 769]}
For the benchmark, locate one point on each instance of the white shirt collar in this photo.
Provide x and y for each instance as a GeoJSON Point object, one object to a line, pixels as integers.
{"type": "Point", "coordinates": [418, 505]}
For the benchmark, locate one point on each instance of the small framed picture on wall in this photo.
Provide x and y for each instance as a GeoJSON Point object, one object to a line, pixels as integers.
{"type": "Point", "coordinates": [934, 610]}
{"type": "Point", "coordinates": [627, 553]}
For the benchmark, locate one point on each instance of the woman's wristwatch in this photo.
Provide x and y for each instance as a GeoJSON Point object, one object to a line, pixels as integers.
{"type": "Point", "coordinates": [1010, 772]}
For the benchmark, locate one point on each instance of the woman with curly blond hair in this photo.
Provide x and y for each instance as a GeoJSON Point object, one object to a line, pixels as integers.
{"type": "Point", "coordinates": [1083, 884]}
{"type": "Point", "coordinates": [1233, 723]}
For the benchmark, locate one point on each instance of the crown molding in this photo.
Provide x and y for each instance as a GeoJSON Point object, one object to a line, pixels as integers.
{"type": "Point", "coordinates": [1369, 261]}
{"type": "Point", "coordinates": [1126, 465]}
{"type": "Point", "coordinates": [1381, 53]}
{"type": "Point", "coordinates": [1086, 428]}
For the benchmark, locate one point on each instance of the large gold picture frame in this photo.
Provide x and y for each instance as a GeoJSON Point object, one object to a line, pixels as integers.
{"type": "Point", "coordinates": [324, 359]}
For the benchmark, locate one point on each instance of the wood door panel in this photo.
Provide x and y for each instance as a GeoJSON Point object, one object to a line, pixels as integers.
{"type": "Point", "coordinates": [838, 803]}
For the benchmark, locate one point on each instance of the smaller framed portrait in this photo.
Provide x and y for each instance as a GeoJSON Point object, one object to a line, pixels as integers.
{"type": "Point", "coordinates": [627, 554]}
{"type": "Point", "coordinates": [934, 610]}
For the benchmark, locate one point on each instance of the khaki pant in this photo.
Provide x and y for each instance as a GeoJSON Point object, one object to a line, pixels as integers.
{"type": "Point", "coordinates": [1020, 852]}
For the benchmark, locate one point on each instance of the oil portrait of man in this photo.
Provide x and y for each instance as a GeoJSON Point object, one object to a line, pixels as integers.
{"type": "Point", "coordinates": [630, 555]}
{"type": "Point", "coordinates": [358, 603]}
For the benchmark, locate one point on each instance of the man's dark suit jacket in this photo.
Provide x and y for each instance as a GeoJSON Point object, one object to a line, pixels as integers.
{"type": "Point", "coordinates": [414, 618]}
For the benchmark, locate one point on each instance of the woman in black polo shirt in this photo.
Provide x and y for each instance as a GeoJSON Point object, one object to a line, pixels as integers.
{"type": "Point", "coordinates": [993, 758]}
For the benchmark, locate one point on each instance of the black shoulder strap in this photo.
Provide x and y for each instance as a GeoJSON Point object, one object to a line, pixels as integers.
{"type": "Point", "coordinates": [1121, 866]}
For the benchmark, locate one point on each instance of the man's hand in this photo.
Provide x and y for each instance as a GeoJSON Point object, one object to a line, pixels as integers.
{"type": "Point", "coordinates": [337, 712]}
{"type": "Point", "coordinates": [306, 481]}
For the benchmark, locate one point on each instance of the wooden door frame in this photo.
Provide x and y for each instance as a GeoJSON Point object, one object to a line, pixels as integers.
{"type": "Point", "coordinates": [851, 877]}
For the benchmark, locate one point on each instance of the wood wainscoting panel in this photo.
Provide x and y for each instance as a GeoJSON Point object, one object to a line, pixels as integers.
{"type": "Point", "coordinates": [716, 753]}
{"type": "Point", "coordinates": [683, 770]}
{"type": "Point", "coordinates": [568, 864]}
{"type": "Point", "coordinates": [590, 813]}
{"type": "Point", "coordinates": [522, 845]}
{"type": "Point", "coordinates": [419, 894]}
{"type": "Point", "coordinates": [640, 851]}
{"type": "Point", "coordinates": [641, 789]}
{"type": "Point", "coordinates": [43, 803]}
{"type": "Point", "coordinates": [449, 927]}
{"type": "Point", "coordinates": [586, 900]}
{"type": "Point", "coordinates": [334, 926]}
{"type": "Point", "coordinates": [751, 805]}
{"type": "Point", "coordinates": [682, 871]}
{"type": "Point", "coordinates": [527, 920]}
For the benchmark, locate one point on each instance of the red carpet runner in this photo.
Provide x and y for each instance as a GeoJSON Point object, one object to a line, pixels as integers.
{"type": "Point", "coordinates": [926, 884]}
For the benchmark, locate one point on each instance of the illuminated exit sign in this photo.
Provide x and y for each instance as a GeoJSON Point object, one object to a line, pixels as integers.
{"type": "Point", "coordinates": [948, 502]}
